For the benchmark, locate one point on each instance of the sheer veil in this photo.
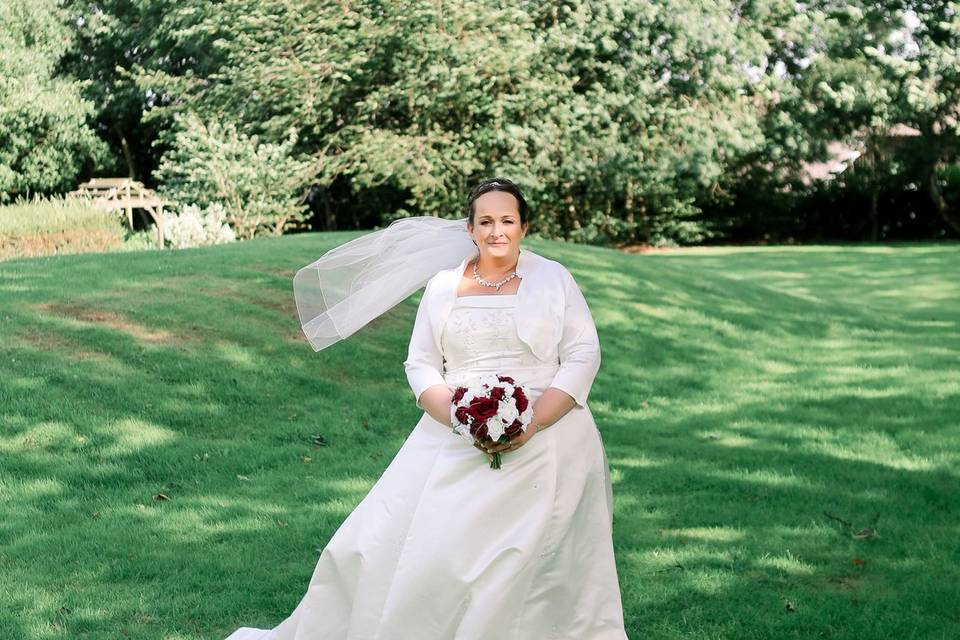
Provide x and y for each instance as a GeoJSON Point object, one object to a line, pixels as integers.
{"type": "Point", "coordinates": [354, 283]}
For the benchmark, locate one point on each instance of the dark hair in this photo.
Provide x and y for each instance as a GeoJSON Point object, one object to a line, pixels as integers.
{"type": "Point", "coordinates": [497, 184]}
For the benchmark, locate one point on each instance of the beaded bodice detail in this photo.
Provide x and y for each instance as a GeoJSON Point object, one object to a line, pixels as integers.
{"type": "Point", "coordinates": [480, 335]}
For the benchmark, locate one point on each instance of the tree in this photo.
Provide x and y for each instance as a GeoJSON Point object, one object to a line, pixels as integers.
{"type": "Point", "coordinates": [46, 140]}
{"type": "Point", "coordinates": [922, 69]}
{"type": "Point", "coordinates": [876, 67]}
{"type": "Point", "coordinates": [256, 182]}
{"type": "Point", "coordinates": [424, 98]}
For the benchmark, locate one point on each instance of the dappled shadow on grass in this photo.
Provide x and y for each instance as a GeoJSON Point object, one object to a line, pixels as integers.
{"type": "Point", "coordinates": [100, 418]}
{"type": "Point", "coordinates": [84, 524]}
{"type": "Point", "coordinates": [789, 420]}
{"type": "Point", "coordinates": [735, 407]}
{"type": "Point", "coordinates": [784, 539]}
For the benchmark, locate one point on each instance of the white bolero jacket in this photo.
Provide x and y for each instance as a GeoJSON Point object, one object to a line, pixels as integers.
{"type": "Point", "coordinates": [552, 317]}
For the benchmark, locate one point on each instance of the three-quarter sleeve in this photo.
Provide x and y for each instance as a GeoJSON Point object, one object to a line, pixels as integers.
{"type": "Point", "coordinates": [424, 363]}
{"type": "Point", "coordinates": [579, 346]}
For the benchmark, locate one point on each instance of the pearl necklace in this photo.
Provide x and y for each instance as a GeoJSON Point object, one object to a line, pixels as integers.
{"type": "Point", "coordinates": [486, 283]}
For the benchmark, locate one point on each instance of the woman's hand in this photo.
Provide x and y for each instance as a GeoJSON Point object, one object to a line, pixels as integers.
{"type": "Point", "coordinates": [512, 445]}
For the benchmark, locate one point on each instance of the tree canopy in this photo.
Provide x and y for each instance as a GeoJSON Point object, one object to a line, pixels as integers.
{"type": "Point", "coordinates": [634, 120]}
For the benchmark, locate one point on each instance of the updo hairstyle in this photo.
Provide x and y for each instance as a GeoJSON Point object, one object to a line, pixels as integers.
{"type": "Point", "coordinates": [497, 184]}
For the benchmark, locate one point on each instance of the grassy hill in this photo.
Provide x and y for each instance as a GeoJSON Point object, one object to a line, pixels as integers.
{"type": "Point", "coordinates": [174, 455]}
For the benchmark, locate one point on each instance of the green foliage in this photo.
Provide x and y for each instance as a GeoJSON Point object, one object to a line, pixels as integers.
{"type": "Point", "coordinates": [145, 240]}
{"type": "Point", "coordinates": [870, 69]}
{"type": "Point", "coordinates": [50, 214]}
{"type": "Point", "coordinates": [213, 163]}
{"type": "Point", "coordinates": [575, 101]}
{"type": "Point", "coordinates": [45, 139]}
{"type": "Point", "coordinates": [51, 226]}
{"type": "Point", "coordinates": [193, 227]}
{"type": "Point", "coordinates": [635, 120]}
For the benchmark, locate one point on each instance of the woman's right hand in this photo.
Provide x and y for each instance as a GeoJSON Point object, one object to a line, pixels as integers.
{"type": "Point", "coordinates": [481, 448]}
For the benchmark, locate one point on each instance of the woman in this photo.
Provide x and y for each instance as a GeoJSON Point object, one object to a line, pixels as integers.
{"type": "Point", "coordinates": [443, 547]}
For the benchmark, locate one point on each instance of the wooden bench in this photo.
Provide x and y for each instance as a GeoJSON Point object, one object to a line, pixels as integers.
{"type": "Point", "coordinates": [112, 194]}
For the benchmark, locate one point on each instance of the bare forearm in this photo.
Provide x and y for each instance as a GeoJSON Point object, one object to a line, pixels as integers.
{"type": "Point", "coordinates": [552, 405]}
{"type": "Point", "coordinates": [436, 401]}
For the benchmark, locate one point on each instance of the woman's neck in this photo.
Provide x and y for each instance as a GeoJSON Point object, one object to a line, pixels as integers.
{"type": "Point", "coordinates": [498, 265]}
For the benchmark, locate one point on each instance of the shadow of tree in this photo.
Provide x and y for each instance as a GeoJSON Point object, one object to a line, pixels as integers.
{"type": "Point", "coordinates": [742, 398]}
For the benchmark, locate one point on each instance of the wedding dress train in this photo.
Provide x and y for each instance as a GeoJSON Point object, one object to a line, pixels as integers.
{"type": "Point", "coordinates": [445, 548]}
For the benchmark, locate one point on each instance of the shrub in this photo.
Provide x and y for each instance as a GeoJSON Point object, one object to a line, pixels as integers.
{"type": "Point", "coordinates": [256, 181]}
{"type": "Point", "coordinates": [194, 227]}
{"type": "Point", "coordinates": [145, 240]}
{"type": "Point", "coordinates": [53, 226]}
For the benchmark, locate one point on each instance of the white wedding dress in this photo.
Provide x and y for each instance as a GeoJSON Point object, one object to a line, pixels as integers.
{"type": "Point", "coordinates": [445, 548]}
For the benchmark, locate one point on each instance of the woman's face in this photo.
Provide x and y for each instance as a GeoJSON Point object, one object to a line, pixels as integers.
{"type": "Point", "coordinates": [496, 225]}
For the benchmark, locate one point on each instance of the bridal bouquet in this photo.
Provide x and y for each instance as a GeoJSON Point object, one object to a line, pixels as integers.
{"type": "Point", "coordinates": [490, 409]}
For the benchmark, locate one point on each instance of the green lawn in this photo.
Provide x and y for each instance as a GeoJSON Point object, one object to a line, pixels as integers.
{"type": "Point", "coordinates": [759, 407]}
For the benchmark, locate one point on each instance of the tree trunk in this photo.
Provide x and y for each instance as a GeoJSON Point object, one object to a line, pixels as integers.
{"type": "Point", "coordinates": [874, 223]}
{"type": "Point", "coordinates": [644, 223]}
{"type": "Point", "coordinates": [127, 156]}
{"type": "Point", "coordinates": [329, 216]}
{"type": "Point", "coordinates": [939, 202]}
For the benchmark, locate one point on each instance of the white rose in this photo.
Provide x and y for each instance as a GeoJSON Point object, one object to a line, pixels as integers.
{"type": "Point", "coordinates": [508, 412]}
{"type": "Point", "coordinates": [464, 432]}
{"type": "Point", "coordinates": [527, 415]}
{"type": "Point", "coordinates": [495, 428]}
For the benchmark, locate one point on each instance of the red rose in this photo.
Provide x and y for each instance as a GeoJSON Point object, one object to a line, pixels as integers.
{"type": "Point", "coordinates": [521, 399]}
{"type": "Point", "coordinates": [462, 415]}
{"type": "Point", "coordinates": [497, 393]}
{"type": "Point", "coordinates": [484, 408]}
{"type": "Point", "coordinates": [476, 419]}
{"type": "Point", "coordinates": [458, 394]}
{"type": "Point", "coordinates": [514, 429]}
{"type": "Point", "coordinates": [505, 379]}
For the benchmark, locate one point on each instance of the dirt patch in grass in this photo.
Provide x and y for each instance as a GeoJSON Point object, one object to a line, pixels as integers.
{"type": "Point", "coordinates": [647, 248]}
{"type": "Point", "coordinates": [49, 341]}
{"type": "Point", "coordinates": [89, 355]}
{"type": "Point", "coordinates": [284, 273]}
{"type": "Point", "coordinates": [111, 319]}
{"type": "Point", "coordinates": [695, 249]}
{"type": "Point", "coordinates": [46, 341]}
{"type": "Point", "coordinates": [297, 336]}
{"type": "Point", "coordinates": [286, 304]}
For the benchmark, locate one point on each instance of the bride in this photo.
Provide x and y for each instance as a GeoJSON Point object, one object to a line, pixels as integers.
{"type": "Point", "coordinates": [443, 547]}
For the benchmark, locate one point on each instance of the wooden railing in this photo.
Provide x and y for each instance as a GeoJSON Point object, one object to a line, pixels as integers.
{"type": "Point", "coordinates": [114, 194]}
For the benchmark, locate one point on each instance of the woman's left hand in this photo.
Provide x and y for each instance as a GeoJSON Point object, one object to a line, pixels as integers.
{"type": "Point", "coordinates": [514, 444]}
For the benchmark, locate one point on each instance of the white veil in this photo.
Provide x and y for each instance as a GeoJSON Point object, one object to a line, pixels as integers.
{"type": "Point", "coordinates": [354, 283]}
